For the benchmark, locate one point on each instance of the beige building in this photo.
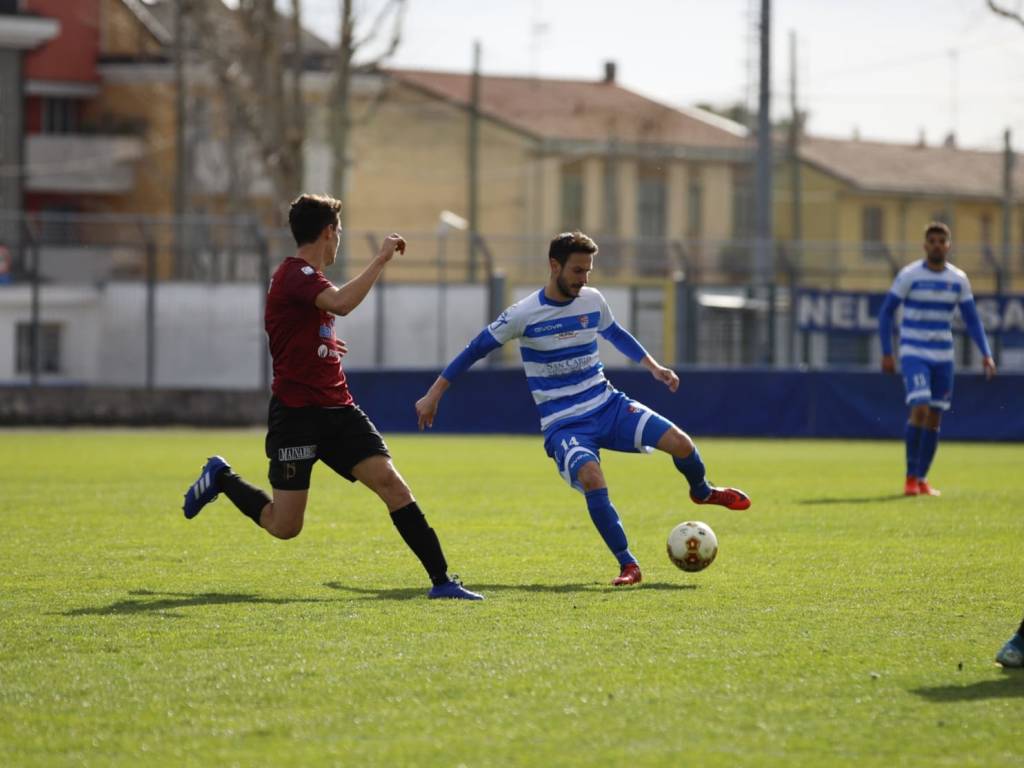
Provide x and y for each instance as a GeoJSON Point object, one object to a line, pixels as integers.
{"type": "Point", "coordinates": [865, 206]}
{"type": "Point", "coordinates": [553, 155]}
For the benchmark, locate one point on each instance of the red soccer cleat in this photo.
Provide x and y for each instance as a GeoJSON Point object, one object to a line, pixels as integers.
{"type": "Point", "coordinates": [731, 498]}
{"type": "Point", "coordinates": [630, 575]}
{"type": "Point", "coordinates": [923, 489]}
{"type": "Point", "coordinates": [911, 487]}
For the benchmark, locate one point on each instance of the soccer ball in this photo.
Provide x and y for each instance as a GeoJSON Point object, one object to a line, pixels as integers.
{"type": "Point", "coordinates": [692, 546]}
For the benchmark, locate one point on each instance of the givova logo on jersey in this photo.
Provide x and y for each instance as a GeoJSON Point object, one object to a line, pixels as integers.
{"type": "Point", "coordinates": [325, 351]}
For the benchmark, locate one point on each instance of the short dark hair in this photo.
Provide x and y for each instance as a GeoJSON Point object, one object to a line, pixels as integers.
{"type": "Point", "coordinates": [309, 215]}
{"type": "Point", "coordinates": [937, 226]}
{"type": "Point", "coordinates": [566, 244]}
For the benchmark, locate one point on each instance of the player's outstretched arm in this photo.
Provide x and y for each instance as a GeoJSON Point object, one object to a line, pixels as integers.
{"type": "Point", "coordinates": [975, 329]}
{"type": "Point", "coordinates": [343, 300]}
{"type": "Point", "coordinates": [885, 317]}
{"type": "Point", "coordinates": [666, 376]}
{"type": "Point", "coordinates": [627, 344]}
{"type": "Point", "coordinates": [426, 406]}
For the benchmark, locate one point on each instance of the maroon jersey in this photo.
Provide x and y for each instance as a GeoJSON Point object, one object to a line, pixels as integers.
{"type": "Point", "coordinates": [307, 365]}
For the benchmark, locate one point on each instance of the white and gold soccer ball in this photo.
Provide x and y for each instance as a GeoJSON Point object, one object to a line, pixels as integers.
{"type": "Point", "coordinates": [692, 546]}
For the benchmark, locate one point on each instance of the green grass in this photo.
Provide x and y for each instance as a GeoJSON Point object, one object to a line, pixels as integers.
{"type": "Point", "coordinates": [840, 625]}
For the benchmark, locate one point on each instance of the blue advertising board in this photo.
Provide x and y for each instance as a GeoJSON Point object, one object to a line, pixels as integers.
{"type": "Point", "coordinates": [849, 312]}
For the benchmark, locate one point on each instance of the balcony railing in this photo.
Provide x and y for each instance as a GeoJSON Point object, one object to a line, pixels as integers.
{"type": "Point", "coordinates": [81, 163]}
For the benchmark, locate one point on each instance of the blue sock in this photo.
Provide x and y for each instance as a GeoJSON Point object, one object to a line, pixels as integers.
{"type": "Point", "coordinates": [608, 524]}
{"type": "Point", "coordinates": [693, 468]}
{"type": "Point", "coordinates": [913, 439]}
{"type": "Point", "coordinates": [929, 442]}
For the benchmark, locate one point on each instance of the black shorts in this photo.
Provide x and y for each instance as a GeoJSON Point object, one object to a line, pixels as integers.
{"type": "Point", "coordinates": [298, 437]}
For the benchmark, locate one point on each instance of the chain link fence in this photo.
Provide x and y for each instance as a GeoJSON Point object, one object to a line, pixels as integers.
{"type": "Point", "coordinates": [159, 302]}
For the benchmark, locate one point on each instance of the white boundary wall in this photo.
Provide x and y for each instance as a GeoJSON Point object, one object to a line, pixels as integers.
{"type": "Point", "coordinates": [211, 336]}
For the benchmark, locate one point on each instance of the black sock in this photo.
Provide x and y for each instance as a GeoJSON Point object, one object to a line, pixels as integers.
{"type": "Point", "coordinates": [422, 540]}
{"type": "Point", "coordinates": [248, 498]}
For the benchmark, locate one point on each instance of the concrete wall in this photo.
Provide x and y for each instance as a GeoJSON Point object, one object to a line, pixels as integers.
{"type": "Point", "coordinates": [211, 336]}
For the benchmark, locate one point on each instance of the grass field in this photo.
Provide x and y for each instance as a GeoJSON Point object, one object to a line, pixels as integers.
{"type": "Point", "coordinates": [841, 624]}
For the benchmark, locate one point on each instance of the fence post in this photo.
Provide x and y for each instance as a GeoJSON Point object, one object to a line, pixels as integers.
{"type": "Point", "coordinates": [496, 288]}
{"type": "Point", "coordinates": [263, 248]}
{"type": "Point", "coordinates": [442, 293]}
{"type": "Point", "coordinates": [35, 311]}
{"type": "Point", "coordinates": [685, 331]}
{"type": "Point", "coordinates": [150, 305]}
{"type": "Point", "coordinates": [379, 315]}
{"type": "Point", "coordinates": [1000, 274]}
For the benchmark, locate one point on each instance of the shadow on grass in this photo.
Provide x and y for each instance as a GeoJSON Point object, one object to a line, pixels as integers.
{"type": "Point", "coordinates": [854, 499]}
{"type": "Point", "coordinates": [488, 589]}
{"type": "Point", "coordinates": [1009, 686]}
{"type": "Point", "coordinates": [142, 602]}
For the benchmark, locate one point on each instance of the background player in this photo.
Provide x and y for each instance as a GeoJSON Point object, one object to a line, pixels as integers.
{"type": "Point", "coordinates": [930, 290]}
{"type": "Point", "coordinates": [580, 411]}
{"type": "Point", "coordinates": [312, 414]}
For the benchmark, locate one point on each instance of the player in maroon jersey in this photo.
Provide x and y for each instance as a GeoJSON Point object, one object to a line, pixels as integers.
{"type": "Point", "coordinates": [312, 414]}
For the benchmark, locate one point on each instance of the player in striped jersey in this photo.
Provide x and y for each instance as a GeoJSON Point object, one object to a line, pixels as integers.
{"type": "Point", "coordinates": [930, 290]}
{"type": "Point", "coordinates": [580, 411]}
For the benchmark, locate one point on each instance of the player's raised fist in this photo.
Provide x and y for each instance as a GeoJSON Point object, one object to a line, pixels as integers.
{"type": "Point", "coordinates": [392, 243]}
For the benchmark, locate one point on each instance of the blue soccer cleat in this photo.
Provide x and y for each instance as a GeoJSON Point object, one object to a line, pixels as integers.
{"type": "Point", "coordinates": [1012, 653]}
{"type": "Point", "coordinates": [204, 490]}
{"type": "Point", "coordinates": [452, 590]}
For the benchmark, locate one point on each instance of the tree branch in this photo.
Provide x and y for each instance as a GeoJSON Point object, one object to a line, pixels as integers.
{"type": "Point", "coordinates": [1005, 12]}
{"type": "Point", "coordinates": [398, 7]}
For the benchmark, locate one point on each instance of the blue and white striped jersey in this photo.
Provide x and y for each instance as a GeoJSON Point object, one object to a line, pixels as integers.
{"type": "Point", "coordinates": [558, 345]}
{"type": "Point", "coordinates": [929, 301]}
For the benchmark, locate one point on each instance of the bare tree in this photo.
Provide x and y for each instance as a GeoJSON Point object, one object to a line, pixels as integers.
{"type": "Point", "coordinates": [388, 20]}
{"type": "Point", "coordinates": [1015, 15]}
{"type": "Point", "coordinates": [259, 83]}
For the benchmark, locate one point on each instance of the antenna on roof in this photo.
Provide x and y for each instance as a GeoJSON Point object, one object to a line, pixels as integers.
{"type": "Point", "coordinates": [538, 29]}
{"type": "Point", "coordinates": [954, 61]}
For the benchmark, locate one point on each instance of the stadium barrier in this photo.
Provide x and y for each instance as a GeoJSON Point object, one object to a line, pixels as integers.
{"type": "Point", "coordinates": [758, 403]}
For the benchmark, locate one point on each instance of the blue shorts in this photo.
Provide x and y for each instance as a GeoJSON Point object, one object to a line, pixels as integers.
{"type": "Point", "coordinates": [621, 424]}
{"type": "Point", "coordinates": [927, 382]}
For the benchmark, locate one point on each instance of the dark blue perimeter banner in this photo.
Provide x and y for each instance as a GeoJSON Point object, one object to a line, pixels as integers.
{"type": "Point", "coordinates": [844, 312]}
{"type": "Point", "coordinates": [727, 402]}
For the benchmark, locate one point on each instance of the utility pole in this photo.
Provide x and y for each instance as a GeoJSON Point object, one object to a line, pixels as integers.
{"type": "Point", "coordinates": [181, 9]}
{"type": "Point", "coordinates": [341, 125]}
{"type": "Point", "coordinates": [794, 151]}
{"type": "Point", "coordinates": [1008, 163]}
{"type": "Point", "coordinates": [763, 261]}
{"type": "Point", "coordinates": [796, 198]}
{"type": "Point", "coordinates": [473, 193]}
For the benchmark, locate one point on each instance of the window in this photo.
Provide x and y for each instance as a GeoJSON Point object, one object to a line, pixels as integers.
{"type": "Point", "coordinates": [872, 230]}
{"type": "Point", "coordinates": [695, 208]}
{"type": "Point", "coordinates": [60, 115]}
{"type": "Point", "coordinates": [611, 197]}
{"type": "Point", "coordinates": [651, 199]}
{"type": "Point", "coordinates": [49, 348]}
{"type": "Point", "coordinates": [572, 196]}
{"type": "Point", "coordinates": [986, 229]}
{"type": "Point", "coordinates": [742, 202]}
{"type": "Point", "coordinates": [1021, 244]}
{"type": "Point", "coordinates": [943, 216]}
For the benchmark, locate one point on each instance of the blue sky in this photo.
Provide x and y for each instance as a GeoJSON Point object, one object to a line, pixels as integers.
{"type": "Point", "coordinates": [889, 69]}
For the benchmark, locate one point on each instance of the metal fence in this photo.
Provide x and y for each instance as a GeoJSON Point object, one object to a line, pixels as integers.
{"type": "Point", "coordinates": [144, 301]}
